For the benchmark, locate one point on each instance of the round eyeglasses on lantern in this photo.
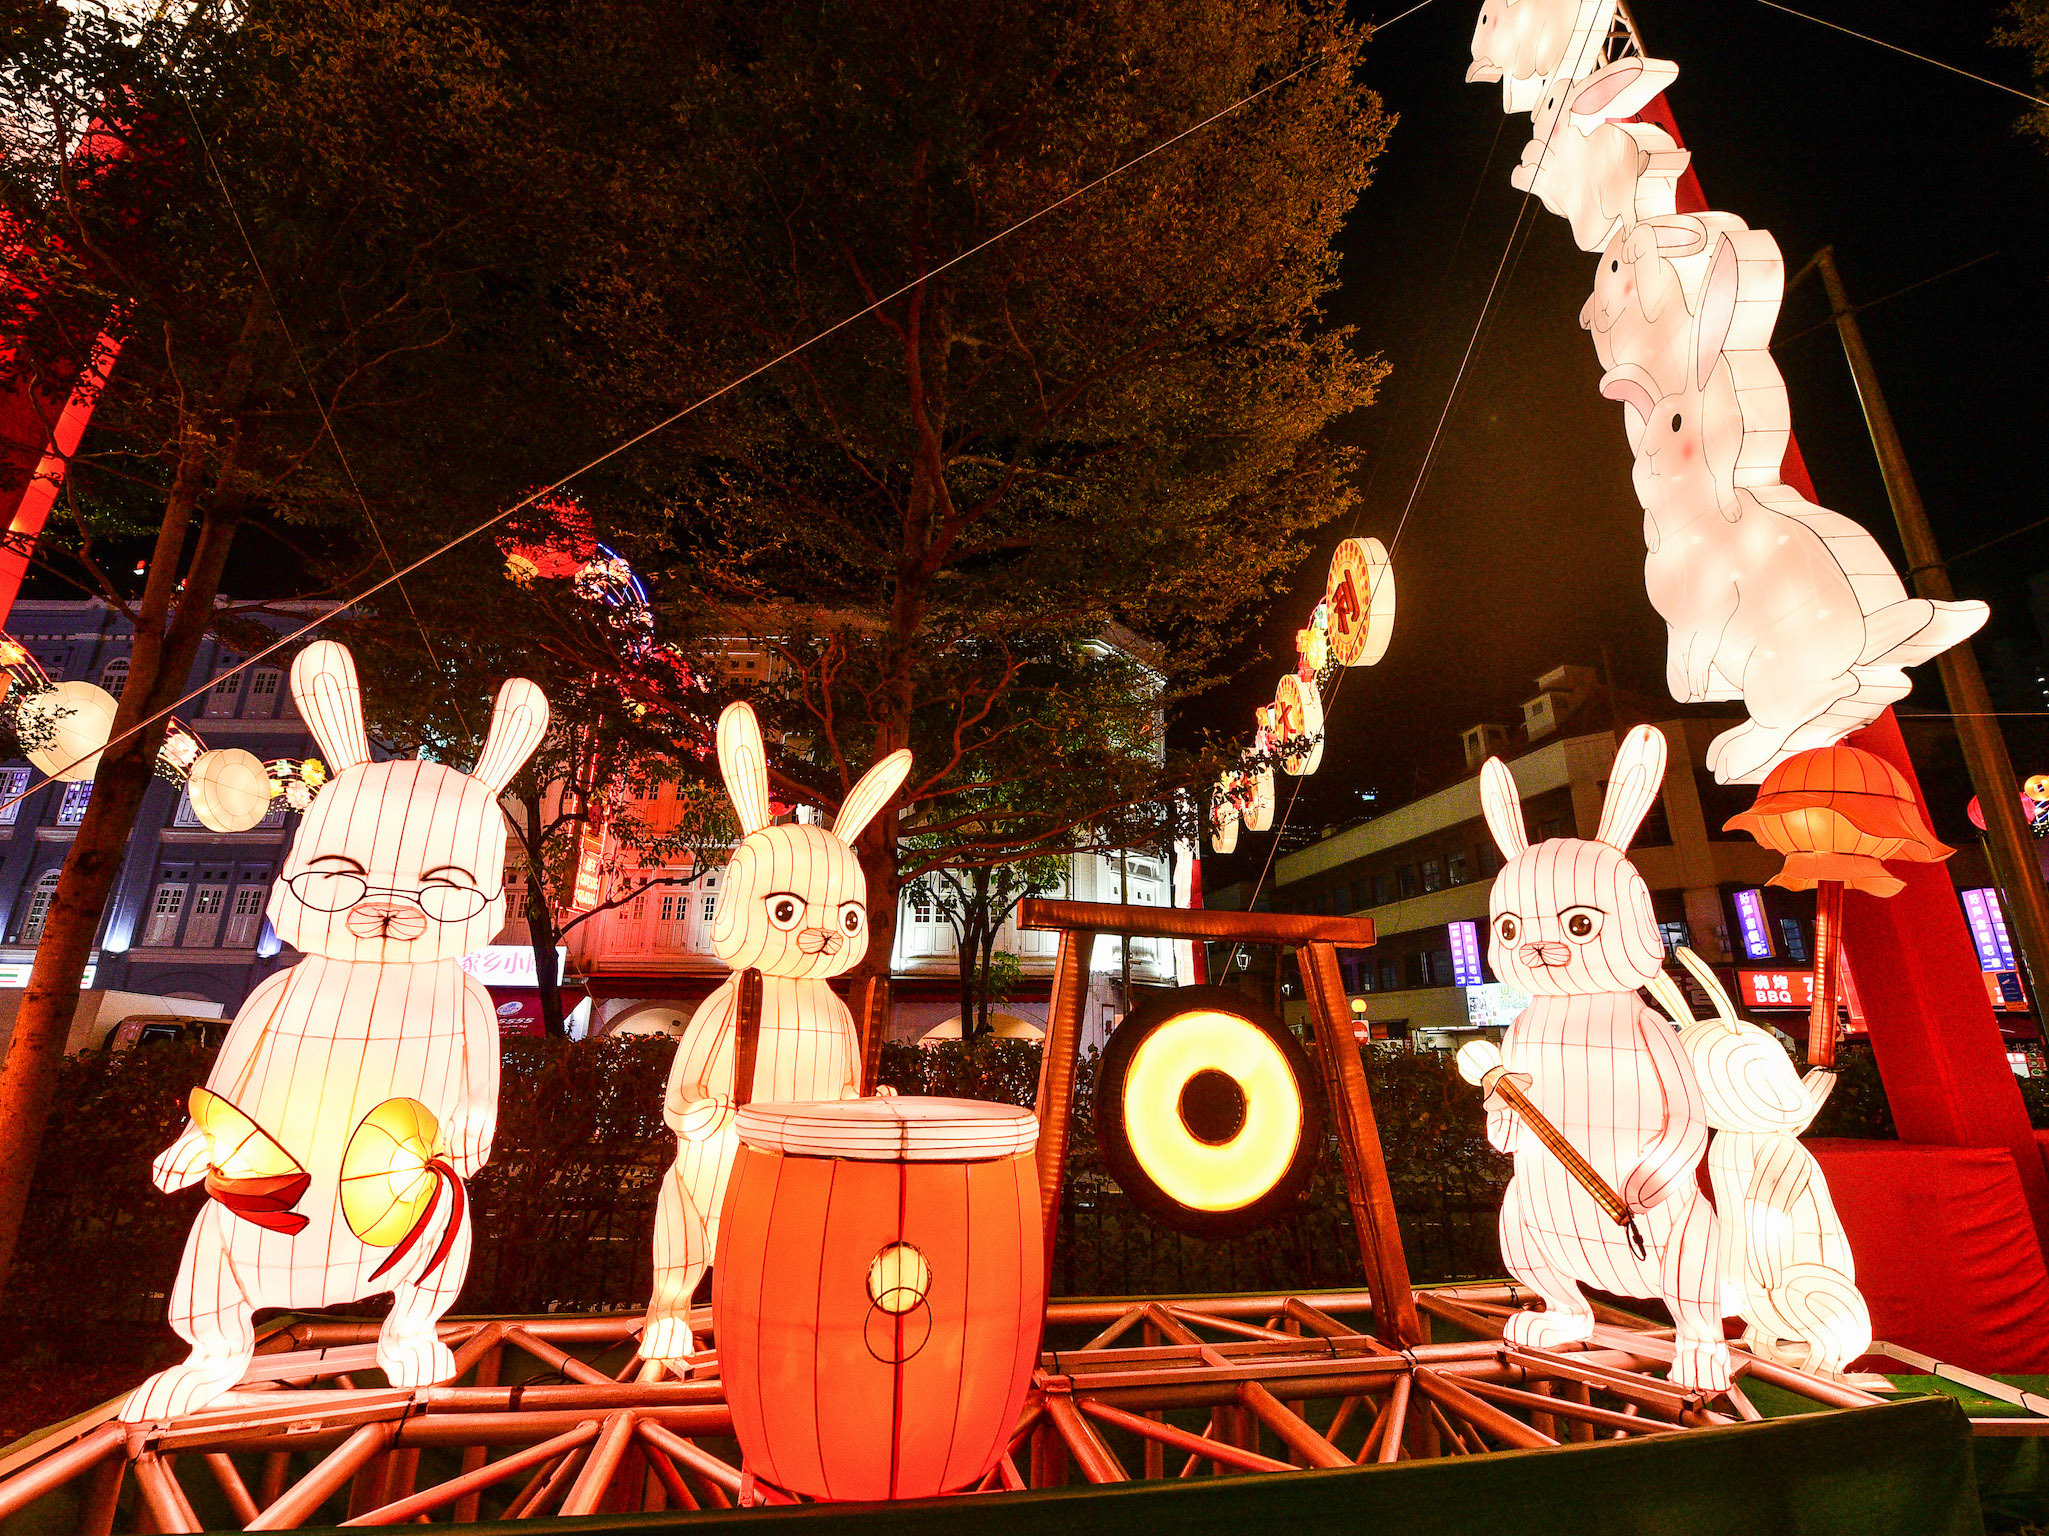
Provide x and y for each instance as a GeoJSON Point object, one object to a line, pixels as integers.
{"type": "Point", "coordinates": [337, 890]}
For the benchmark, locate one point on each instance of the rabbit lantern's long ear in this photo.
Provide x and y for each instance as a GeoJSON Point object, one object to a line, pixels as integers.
{"type": "Point", "coordinates": [1503, 808]}
{"type": "Point", "coordinates": [1633, 784]}
{"type": "Point", "coordinates": [871, 794]}
{"type": "Point", "coordinates": [331, 700]}
{"type": "Point", "coordinates": [1619, 90]}
{"type": "Point", "coordinates": [518, 722]}
{"type": "Point", "coordinates": [743, 762]}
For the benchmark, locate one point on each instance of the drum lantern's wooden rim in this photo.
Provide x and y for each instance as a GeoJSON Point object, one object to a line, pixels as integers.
{"type": "Point", "coordinates": [893, 1130]}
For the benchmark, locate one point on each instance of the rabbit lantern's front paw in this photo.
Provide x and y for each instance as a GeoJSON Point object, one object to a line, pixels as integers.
{"type": "Point", "coordinates": [703, 1119]}
{"type": "Point", "coordinates": [182, 1163]}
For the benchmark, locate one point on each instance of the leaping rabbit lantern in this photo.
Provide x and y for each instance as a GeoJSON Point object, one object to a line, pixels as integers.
{"type": "Point", "coordinates": [358, 1089]}
{"type": "Point", "coordinates": [795, 908]}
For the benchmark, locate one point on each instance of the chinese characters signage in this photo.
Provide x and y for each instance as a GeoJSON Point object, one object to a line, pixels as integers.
{"type": "Point", "coordinates": [1776, 989]}
{"type": "Point", "coordinates": [1750, 923]}
{"type": "Point", "coordinates": [1465, 955]}
{"type": "Point", "coordinates": [1988, 930]}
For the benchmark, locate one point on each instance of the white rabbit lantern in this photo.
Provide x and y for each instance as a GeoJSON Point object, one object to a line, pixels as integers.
{"type": "Point", "coordinates": [1766, 597]}
{"type": "Point", "coordinates": [795, 908]}
{"type": "Point", "coordinates": [1524, 43]}
{"type": "Point", "coordinates": [1571, 923]}
{"type": "Point", "coordinates": [1591, 166]}
{"type": "Point", "coordinates": [375, 1044]}
{"type": "Point", "coordinates": [1786, 1264]}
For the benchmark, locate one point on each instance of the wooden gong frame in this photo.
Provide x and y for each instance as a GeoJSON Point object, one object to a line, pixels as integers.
{"type": "Point", "coordinates": [1338, 1060]}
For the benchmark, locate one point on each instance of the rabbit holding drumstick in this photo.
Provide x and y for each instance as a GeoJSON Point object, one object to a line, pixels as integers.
{"type": "Point", "coordinates": [794, 908]}
{"type": "Point", "coordinates": [1571, 923]}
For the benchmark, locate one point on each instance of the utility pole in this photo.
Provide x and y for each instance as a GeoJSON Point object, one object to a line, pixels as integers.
{"type": "Point", "coordinates": [2007, 838]}
{"type": "Point", "coordinates": [1124, 900]}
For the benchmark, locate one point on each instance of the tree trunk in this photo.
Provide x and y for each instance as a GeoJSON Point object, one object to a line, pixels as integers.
{"type": "Point", "coordinates": [540, 927]}
{"type": "Point", "coordinates": [166, 644]}
{"type": "Point", "coordinates": [879, 867]}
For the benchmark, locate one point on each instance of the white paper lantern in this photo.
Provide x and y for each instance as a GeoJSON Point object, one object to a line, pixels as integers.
{"type": "Point", "coordinates": [230, 789]}
{"type": "Point", "coordinates": [375, 1053]}
{"type": "Point", "coordinates": [795, 908]}
{"type": "Point", "coordinates": [72, 722]}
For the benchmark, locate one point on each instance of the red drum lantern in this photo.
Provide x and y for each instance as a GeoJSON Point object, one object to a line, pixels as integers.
{"type": "Point", "coordinates": [879, 1292]}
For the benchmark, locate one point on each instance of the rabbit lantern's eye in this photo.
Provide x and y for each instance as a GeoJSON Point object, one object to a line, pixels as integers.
{"type": "Point", "coordinates": [852, 915]}
{"type": "Point", "coordinates": [1508, 928]}
{"type": "Point", "coordinates": [1614, 265]}
{"type": "Point", "coordinates": [1581, 924]}
{"type": "Point", "coordinates": [785, 911]}
{"type": "Point", "coordinates": [1677, 421]}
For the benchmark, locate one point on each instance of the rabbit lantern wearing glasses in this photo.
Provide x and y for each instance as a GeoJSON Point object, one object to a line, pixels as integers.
{"type": "Point", "coordinates": [795, 908]}
{"type": "Point", "coordinates": [358, 1089]}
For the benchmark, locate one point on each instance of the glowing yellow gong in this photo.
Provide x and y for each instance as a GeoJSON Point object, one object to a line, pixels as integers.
{"type": "Point", "coordinates": [1201, 1175]}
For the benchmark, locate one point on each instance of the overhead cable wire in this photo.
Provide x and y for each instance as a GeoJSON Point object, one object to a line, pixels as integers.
{"type": "Point", "coordinates": [1822, 21]}
{"type": "Point", "coordinates": [326, 424]}
{"type": "Point", "coordinates": [670, 420]}
{"type": "Point", "coordinates": [1503, 268]}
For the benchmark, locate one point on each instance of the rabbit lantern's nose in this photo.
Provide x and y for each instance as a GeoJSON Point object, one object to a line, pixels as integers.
{"type": "Point", "coordinates": [1550, 952]}
{"type": "Point", "coordinates": [818, 941]}
{"type": "Point", "coordinates": [399, 920]}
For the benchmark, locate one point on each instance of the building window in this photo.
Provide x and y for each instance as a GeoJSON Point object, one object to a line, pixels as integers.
{"type": "Point", "coordinates": [1390, 975]}
{"type": "Point", "coordinates": [264, 686]}
{"type": "Point", "coordinates": [711, 907]}
{"type": "Point", "coordinates": [39, 907]}
{"type": "Point", "coordinates": [114, 678]}
{"type": "Point", "coordinates": [921, 904]}
{"type": "Point", "coordinates": [71, 810]}
{"type": "Point", "coordinates": [1433, 874]}
{"type": "Point", "coordinates": [674, 906]}
{"type": "Point", "coordinates": [204, 925]}
{"type": "Point", "coordinates": [1674, 934]}
{"type": "Point", "coordinates": [1551, 826]}
{"type": "Point", "coordinates": [1796, 941]}
{"type": "Point", "coordinates": [1383, 888]}
{"type": "Point", "coordinates": [164, 911]}
{"type": "Point", "coordinates": [1488, 860]}
{"type": "Point", "coordinates": [185, 816]}
{"type": "Point", "coordinates": [221, 697]}
{"type": "Point", "coordinates": [13, 781]}
{"type": "Point", "coordinates": [1410, 881]}
{"type": "Point", "coordinates": [245, 918]}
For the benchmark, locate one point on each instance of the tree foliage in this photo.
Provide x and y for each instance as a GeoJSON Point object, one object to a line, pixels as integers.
{"type": "Point", "coordinates": [1111, 417]}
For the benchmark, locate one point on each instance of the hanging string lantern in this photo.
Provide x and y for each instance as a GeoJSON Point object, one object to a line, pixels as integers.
{"type": "Point", "coordinates": [230, 789]}
{"type": "Point", "coordinates": [1838, 813]}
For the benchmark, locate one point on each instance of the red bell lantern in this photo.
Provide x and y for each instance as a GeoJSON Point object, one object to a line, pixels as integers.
{"type": "Point", "coordinates": [879, 1292]}
{"type": "Point", "coordinates": [1837, 813]}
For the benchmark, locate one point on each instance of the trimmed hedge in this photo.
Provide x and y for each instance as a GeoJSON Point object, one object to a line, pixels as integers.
{"type": "Point", "coordinates": [565, 1208]}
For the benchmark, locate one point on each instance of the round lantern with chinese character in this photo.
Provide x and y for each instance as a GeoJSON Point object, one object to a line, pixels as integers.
{"type": "Point", "coordinates": [879, 1291]}
{"type": "Point", "coordinates": [1837, 813]}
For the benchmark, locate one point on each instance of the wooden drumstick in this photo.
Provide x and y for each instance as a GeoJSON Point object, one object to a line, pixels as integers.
{"type": "Point", "coordinates": [746, 1036]}
{"type": "Point", "coordinates": [1479, 1063]}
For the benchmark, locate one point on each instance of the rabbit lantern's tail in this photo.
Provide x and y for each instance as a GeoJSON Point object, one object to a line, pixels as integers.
{"type": "Point", "coordinates": [1814, 1319]}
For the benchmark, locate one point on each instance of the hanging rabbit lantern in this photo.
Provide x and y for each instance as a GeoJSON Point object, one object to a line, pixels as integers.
{"type": "Point", "coordinates": [1837, 813]}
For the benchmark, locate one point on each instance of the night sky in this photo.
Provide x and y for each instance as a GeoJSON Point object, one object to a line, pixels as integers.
{"type": "Point", "coordinates": [1523, 548]}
